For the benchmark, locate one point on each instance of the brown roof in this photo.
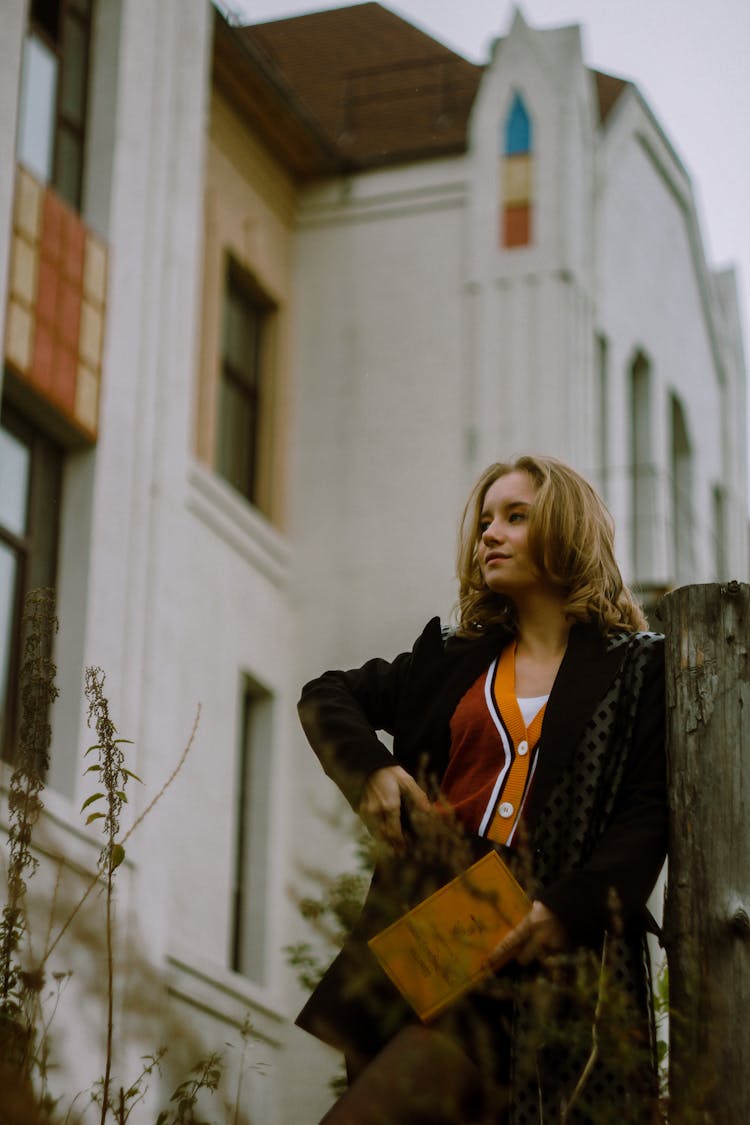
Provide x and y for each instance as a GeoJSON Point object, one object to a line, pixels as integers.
{"type": "Point", "coordinates": [364, 87]}
{"type": "Point", "coordinates": [260, 92]}
{"type": "Point", "coordinates": [608, 90]}
{"type": "Point", "coordinates": [380, 89]}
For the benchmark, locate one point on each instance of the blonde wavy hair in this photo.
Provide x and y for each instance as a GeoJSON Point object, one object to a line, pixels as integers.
{"type": "Point", "coordinates": [571, 545]}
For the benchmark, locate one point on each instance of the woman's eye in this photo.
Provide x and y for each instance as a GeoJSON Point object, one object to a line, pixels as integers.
{"type": "Point", "coordinates": [516, 517]}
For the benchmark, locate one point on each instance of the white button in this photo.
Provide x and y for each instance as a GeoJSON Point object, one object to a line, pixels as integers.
{"type": "Point", "coordinates": [506, 809]}
{"type": "Point", "coordinates": [523, 748]}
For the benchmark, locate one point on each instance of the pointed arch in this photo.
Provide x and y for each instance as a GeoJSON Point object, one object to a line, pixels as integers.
{"type": "Point", "coordinates": [518, 130]}
{"type": "Point", "coordinates": [682, 500]}
{"type": "Point", "coordinates": [516, 166]}
{"type": "Point", "coordinates": [642, 470]}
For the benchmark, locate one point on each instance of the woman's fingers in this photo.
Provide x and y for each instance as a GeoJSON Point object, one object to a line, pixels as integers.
{"type": "Point", "coordinates": [512, 943]}
{"type": "Point", "coordinates": [538, 935]}
{"type": "Point", "coordinates": [380, 807]}
{"type": "Point", "coordinates": [413, 791]}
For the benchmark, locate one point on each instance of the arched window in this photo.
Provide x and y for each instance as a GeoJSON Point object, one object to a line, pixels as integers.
{"type": "Point", "coordinates": [643, 517]}
{"type": "Point", "coordinates": [683, 520]}
{"type": "Point", "coordinates": [516, 159]}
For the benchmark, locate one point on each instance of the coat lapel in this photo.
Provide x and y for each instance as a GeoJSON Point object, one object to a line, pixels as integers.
{"type": "Point", "coordinates": [587, 670]}
{"type": "Point", "coordinates": [442, 673]}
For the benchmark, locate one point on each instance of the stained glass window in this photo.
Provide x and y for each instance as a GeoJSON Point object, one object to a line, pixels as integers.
{"type": "Point", "coordinates": [516, 176]}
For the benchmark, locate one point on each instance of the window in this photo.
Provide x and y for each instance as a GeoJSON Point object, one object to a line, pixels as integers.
{"type": "Point", "coordinates": [642, 473]}
{"type": "Point", "coordinates": [719, 510]}
{"type": "Point", "coordinates": [602, 413]}
{"type": "Point", "coordinates": [242, 413]}
{"type": "Point", "coordinates": [683, 526]}
{"type": "Point", "coordinates": [249, 907]}
{"type": "Point", "coordinates": [31, 474]}
{"type": "Point", "coordinates": [516, 162]}
{"type": "Point", "coordinates": [52, 111]}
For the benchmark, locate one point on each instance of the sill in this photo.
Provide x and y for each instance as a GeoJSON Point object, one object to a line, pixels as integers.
{"type": "Point", "coordinates": [221, 509]}
{"type": "Point", "coordinates": [213, 988]}
{"type": "Point", "coordinates": [59, 833]}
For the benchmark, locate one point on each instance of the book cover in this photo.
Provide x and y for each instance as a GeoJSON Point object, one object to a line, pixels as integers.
{"type": "Point", "coordinates": [439, 949]}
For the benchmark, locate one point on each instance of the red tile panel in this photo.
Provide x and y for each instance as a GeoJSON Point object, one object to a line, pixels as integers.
{"type": "Point", "coordinates": [49, 342]}
{"type": "Point", "coordinates": [47, 292]}
{"type": "Point", "coordinates": [41, 363]}
{"type": "Point", "coordinates": [69, 315]}
{"type": "Point", "coordinates": [517, 226]}
{"type": "Point", "coordinates": [64, 384]}
{"type": "Point", "coordinates": [73, 246]}
{"type": "Point", "coordinates": [52, 226]}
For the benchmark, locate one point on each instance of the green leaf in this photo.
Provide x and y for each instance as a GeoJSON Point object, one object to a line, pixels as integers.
{"type": "Point", "coordinates": [90, 800]}
{"type": "Point", "coordinates": [121, 794]}
{"type": "Point", "coordinates": [118, 855]}
{"type": "Point", "coordinates": [129, 773]}
{"type": "Point", "coordinates": [129, 741]}
{"type": "Point", "coordinates": [97, 747]}
{"type": "Point", "coordinates": [93, 769]}
{"type": "Point", "coordinates": [94, 816]}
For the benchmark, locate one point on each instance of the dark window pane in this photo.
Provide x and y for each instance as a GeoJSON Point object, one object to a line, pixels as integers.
{"type": "Point", "coordinates": [245, 319]}
{"type": "Point", "coordinates": [68, 166]}
{"type": "Point", "coordinates": [236, 437]}
{"type": "Point", "coordinates": [242, 329]}
{"type": "Point", "coordinates": [46, 14]}
{"type": "Point", "coordinates": [249, 933]}
{"type": "Point", "coordinates": [74, 71]}
{"type": "Point", "coordinates": [31, 473]}
{"type": "Point", "coordinates": [44, 513]}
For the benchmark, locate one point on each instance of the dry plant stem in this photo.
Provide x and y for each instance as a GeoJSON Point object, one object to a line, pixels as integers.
{"type": "Point", "coordinates": [591, 1060]}
{"type": "Point", "coordinates": [110, 998]}
{"type": "Point", "coordinates": [136, 823]}
{"type": "Point", "coordinates": [24, 803]}
{"type": "Point", "coordinates": [113, 775]}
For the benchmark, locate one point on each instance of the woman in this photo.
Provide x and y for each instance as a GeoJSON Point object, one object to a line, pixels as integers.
{"type": "Point", "coordinates": [538, 723]}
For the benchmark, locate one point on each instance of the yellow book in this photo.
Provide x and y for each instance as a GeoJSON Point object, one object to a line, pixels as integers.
{"type": "Point", "coordinates": [439, 949]}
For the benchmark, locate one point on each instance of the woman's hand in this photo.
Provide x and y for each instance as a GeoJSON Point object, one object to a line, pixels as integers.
{"type": "Point", "coordinates": [536, 936]}
{"type": "Point", "coordinates": [380, 807]}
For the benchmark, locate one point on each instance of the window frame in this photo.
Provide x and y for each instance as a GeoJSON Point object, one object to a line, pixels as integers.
{"type": "Point", "coordinates": [81, 13]}
{"type": "Point", "coordinates": [256, 392]}
{"type": "Point", "coordinates": [248, 935]}
{"type": "Point", "coordinates": [25, 547]}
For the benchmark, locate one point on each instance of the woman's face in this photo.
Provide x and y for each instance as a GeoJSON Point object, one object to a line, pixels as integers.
{"type": "Point", "coordinates": [502, 548]}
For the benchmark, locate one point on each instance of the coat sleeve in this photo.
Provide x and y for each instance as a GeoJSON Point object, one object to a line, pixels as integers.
{"type": "Point", "coordinates": [631, 851]}
{"type": "Point", "coordinates": [341, 713]}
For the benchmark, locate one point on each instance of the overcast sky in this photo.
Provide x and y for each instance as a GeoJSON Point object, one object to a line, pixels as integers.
{"type": "Point", "coordinates": [690, 59]}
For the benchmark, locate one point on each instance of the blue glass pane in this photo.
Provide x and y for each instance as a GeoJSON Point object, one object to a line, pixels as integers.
{"type": "Point", "coordinates": [517, 128]}
{"type": "Point", "coordinates": [36, 113]}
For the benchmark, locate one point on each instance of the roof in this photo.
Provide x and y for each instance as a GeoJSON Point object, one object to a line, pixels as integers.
{"type": "Point", "coordinates": [608, 90]}
{"type": "Point", "coordinates": [380, 89]}
{"type": "Point", "coordinates": [260, 92]}
{"type": "Point", "coordinates": [365, 87]}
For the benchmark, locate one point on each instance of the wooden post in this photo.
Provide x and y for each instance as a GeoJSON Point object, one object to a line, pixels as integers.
{"type": "Point", "coordinates": [707, 914]}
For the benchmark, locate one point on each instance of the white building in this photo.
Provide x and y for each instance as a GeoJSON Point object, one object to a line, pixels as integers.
{"type": "Point", "coordinates": [306, 281]}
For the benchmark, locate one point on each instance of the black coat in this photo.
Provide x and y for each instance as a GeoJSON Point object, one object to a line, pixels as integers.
{"type": "Point", "coordinates": [596, 817]}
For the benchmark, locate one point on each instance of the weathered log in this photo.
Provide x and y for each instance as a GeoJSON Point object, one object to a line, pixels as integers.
{"type": "Point", "coordinates": [707, 914]}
